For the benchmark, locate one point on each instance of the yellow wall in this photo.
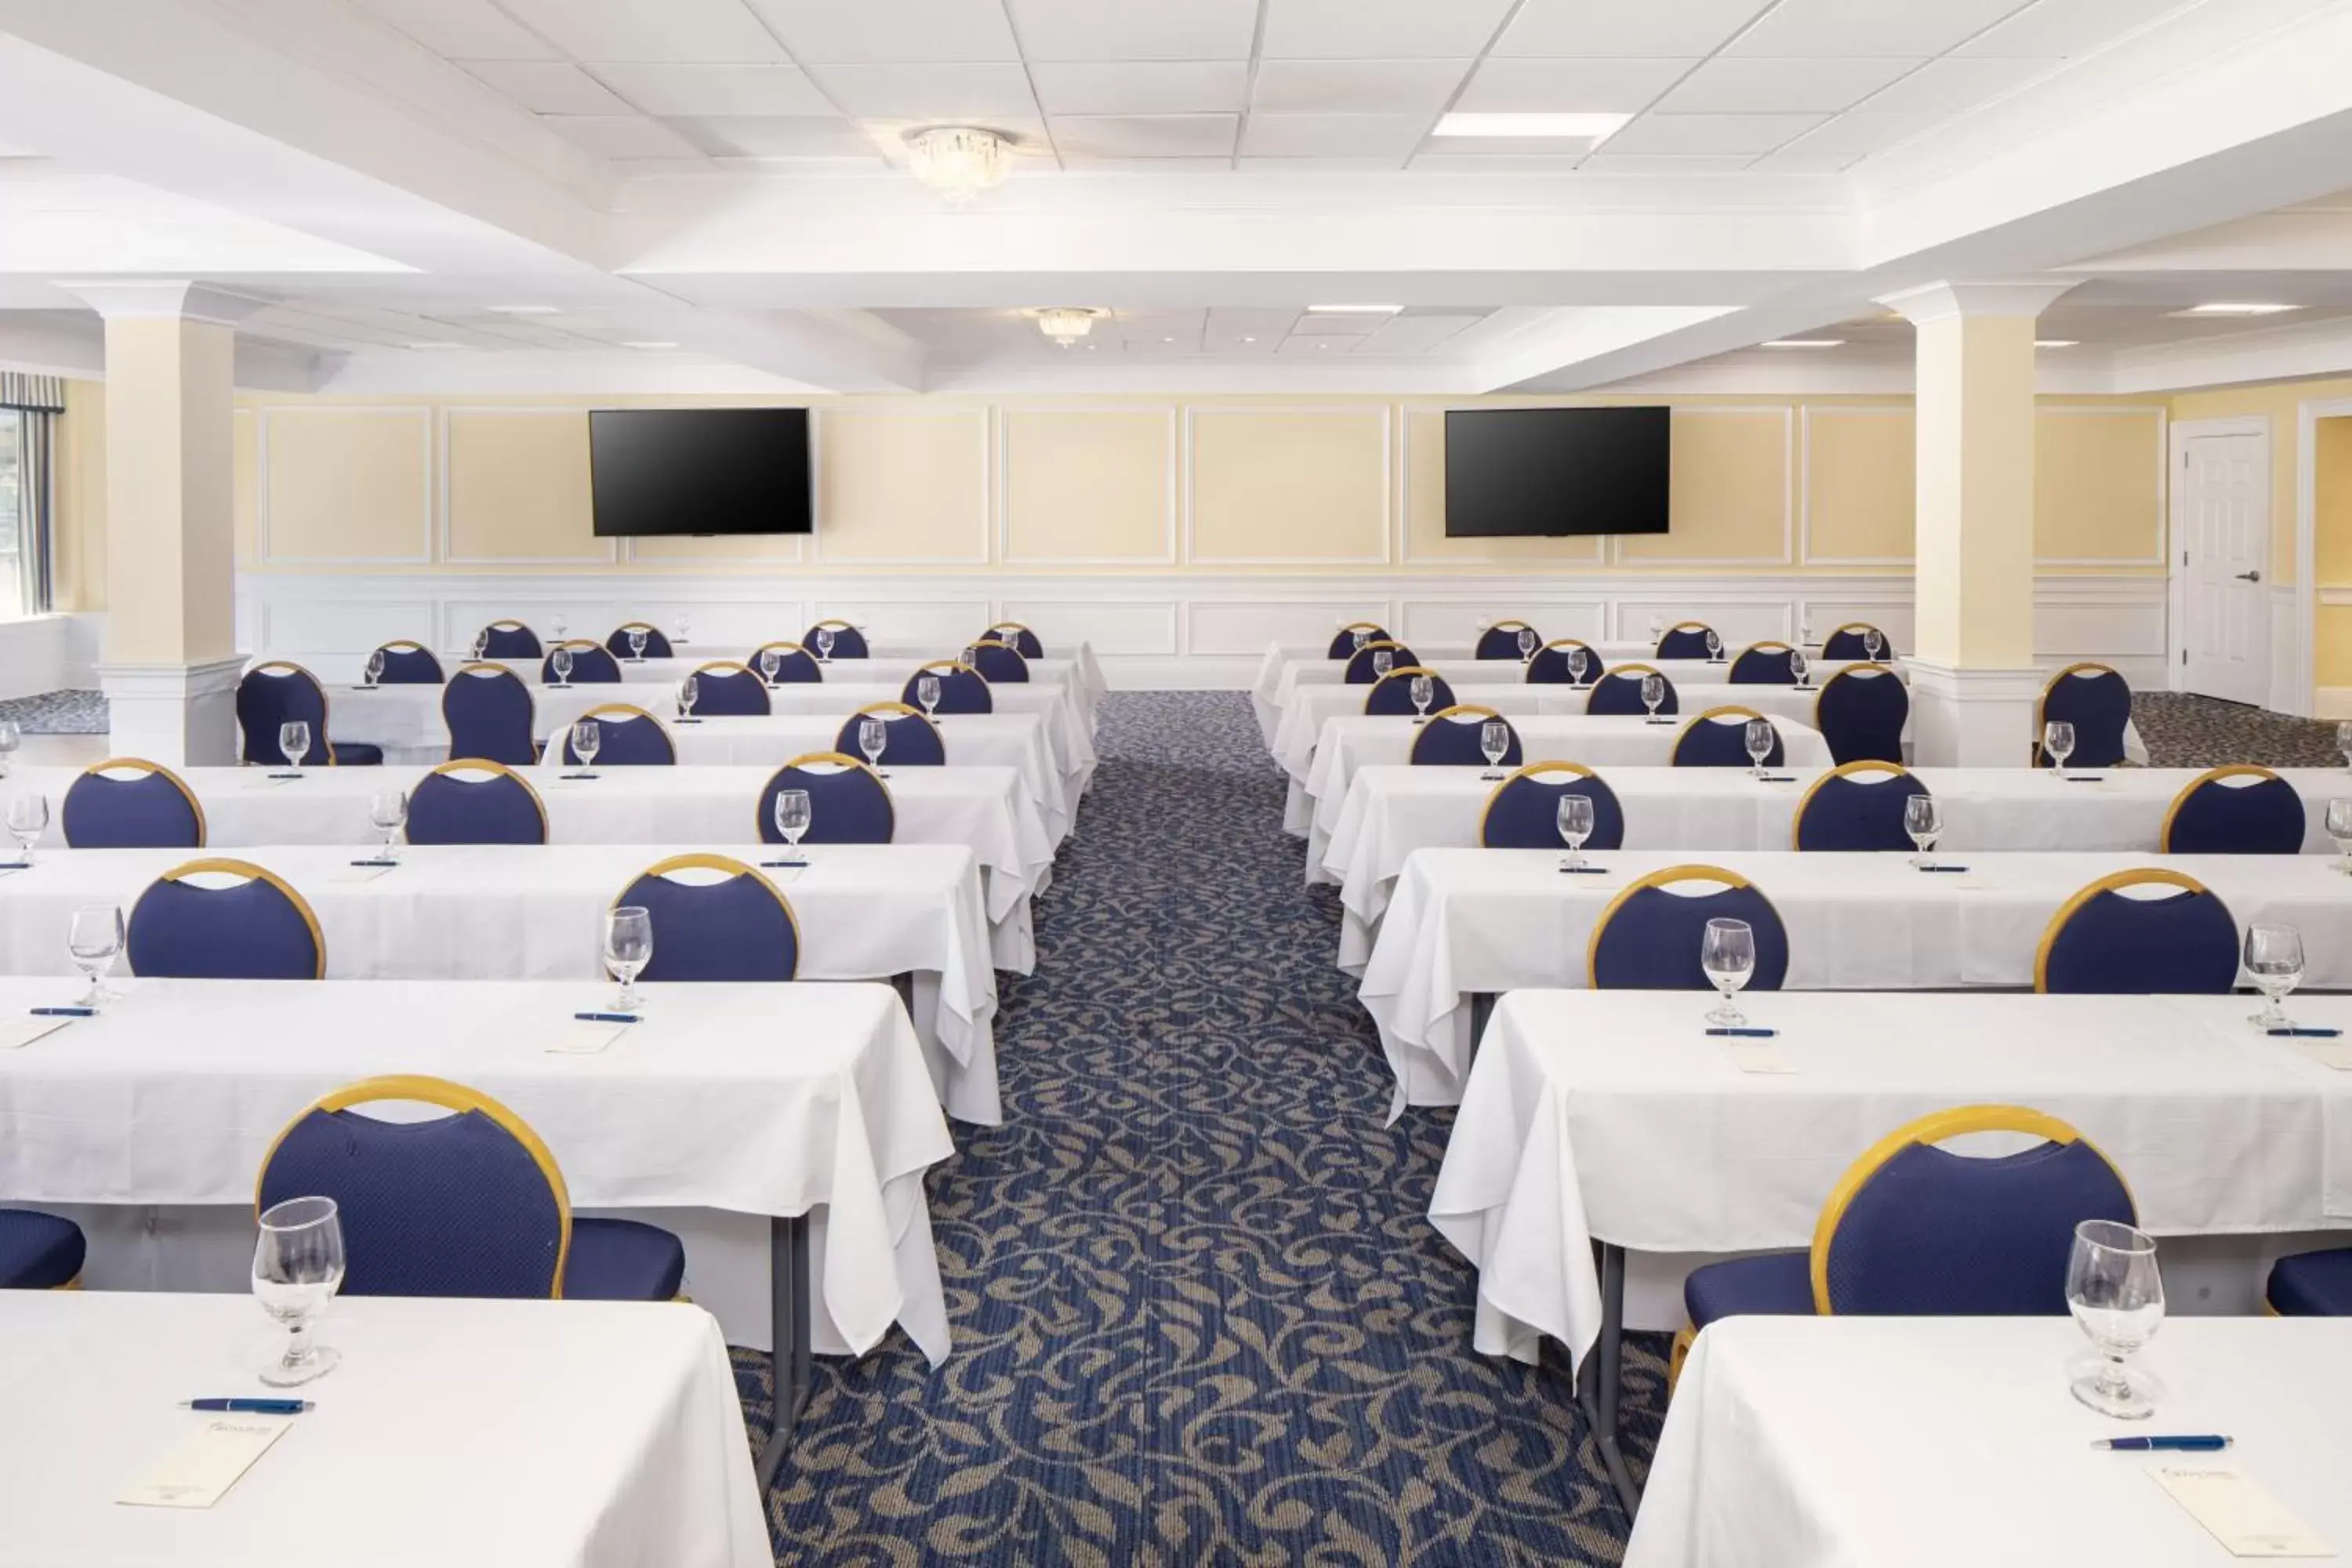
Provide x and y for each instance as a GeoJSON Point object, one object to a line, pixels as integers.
{"type": "Point", "coordinates": [2332, 550]}
{"type": "Point", "coordinates": [2278, 403]}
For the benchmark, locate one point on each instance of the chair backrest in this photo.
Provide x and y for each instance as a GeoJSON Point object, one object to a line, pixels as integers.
{"type": "Point", "coordinates": [795, 665]}
{"type": "Point", "coordinates": [1849, 641]}
{"type": "Point", "coordinates": [728, 689]}
{"type": "Point", "coordinates": [1684, 640]}
{"type": "Point", "coordinates": [1361, 670]}
{"type": "Point", "coordinates": [1857, 806]}
{"type": "Point", "coordinates": [1451, 738]}
{"type": "Point", "coordinates": [489, 713]}
{"type": "Point", "coordinates": [476, 800]}
{"type": "Point", "coordinates": [1524, 811]}
{"type": "Point", "coordinates": [1501, 640]}
{"type": "Point", "coordinates": [1763, 664]}
{"type": "Point", "coordinates": [626, 737]}
{"type": "Point", "coordinates": [1861, 713]}
{"type": "Point", "coordinates": [999, 662]}
{"type": "Point", "coordinates": [1019, 637]}
{"type": "Point", "coordinates": [962, 690]}
{"type": "Point", "coordinates": [1343, 642]}
{"type": "Point", "coordinates": [278, 692]}
{"type": "Point", "coordinates": [2098, 702]}
{"type": "Point", "coordinates": [1619, 692]}
{"type": "Point", "coordinates": [2103, 943]}
{"type": "Point", "coordinates": [256, 928]}
{"type": "Point", "coordinates": [1649, 937]}
{"type": "Point", "coordinates": [510, 639]}
{"type": "Point", "coordinates": [847, 803]}
{"type": "Point", "coordinates": [2238, 810]}
{"type": "Point", "coordinates": [1549, 666]}
{"type": "Point", "coordinates": [736, 927]}
{"type": "Point", "coordinates": [911, 741]}
{"type": "Point", "coordinates": [152, 808]}
{"type": "Point", "coordinates": [1914, 1230]}
{"type": "Point", "coordinates": [592, 663]}
{"type": "Point", "coordinates": [407, 663]}
{"type": "Point", "coordinates": [657, 645]}
{"type": "Point", "coordinates": [848, 642]}
{"type": "Point", "coordinates": [470, 1204]}
{"type": "Point", "coordinates": [1392, 694]}
{"type": "Point", "coordinates": [1718, 738]}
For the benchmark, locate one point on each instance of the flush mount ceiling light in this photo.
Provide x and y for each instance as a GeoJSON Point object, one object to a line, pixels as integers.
{"type": "Point", "coordinates": [1353, 310]}
{"type": "Point", "coordinates": [1804, 343]}
{"type": "Point", "coordinates": [1533, 127]}
{"type": "Point", "coordinates": [2055, 343]}
{"type": "Point", "coordinates": [959, 160]}
{"type": "Point", "coordinates": [1066, 324]}
{"type": "Point", "coordinates": [651, 343]}
{"type": "Point", "coordinates": [2227, 308]}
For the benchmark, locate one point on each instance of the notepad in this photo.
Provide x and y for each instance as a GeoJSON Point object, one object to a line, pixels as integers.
{"type": "Point", "coordinates": [203, 1466]}
{"type": "Point", "coordinates": [19, 1032]}
{"type": "Point", "coordinates": [584, 1037]}
{"type": "Point", "coordinates": [357, 873]}
{"type": "Point", "coordinates": [1970, 880]}
{"type": "Point", "coordinates": [2241, 1513]}
{"type": "Point", "coordinates": [1758, 1057]}
{"type": "Point", "coordinates": [2334, 1054]}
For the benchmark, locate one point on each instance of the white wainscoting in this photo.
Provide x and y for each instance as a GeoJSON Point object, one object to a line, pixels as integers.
{"type": "Point", "coordinates": [49, 653]}
{"type": "Point", "coordinates": [1154, 631]}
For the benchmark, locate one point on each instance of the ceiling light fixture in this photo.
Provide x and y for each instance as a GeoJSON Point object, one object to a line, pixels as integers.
{"type": "Point", "coordinates": [1545, 127]}
{"type": "Point", "coordinates": [2226, 308]}
{"type": "Point", "coordinates": [1353, 310]}
{"type": "Point", "coordinates": [1249, 340]}
{"type": "Point", "coordinates": [1804, 343]}
{"type": "Point", "coordinates": [524, 310]}
{"type": "Point", "coordinates": [651, 343]}
{"type": "Point", "coordinates": [1066, 324]}
{"type": "Point", "coordinates": [2055, 343]}
{"type": "Point", "coordinates": [959, 160]}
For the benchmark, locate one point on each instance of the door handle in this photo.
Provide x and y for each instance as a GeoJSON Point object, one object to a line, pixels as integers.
{"type": "Point", "coordinates": [2249, 576]}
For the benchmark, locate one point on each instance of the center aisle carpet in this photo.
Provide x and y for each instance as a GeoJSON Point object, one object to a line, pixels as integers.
{"type": "Point", "coordinates": [1199, 1315]}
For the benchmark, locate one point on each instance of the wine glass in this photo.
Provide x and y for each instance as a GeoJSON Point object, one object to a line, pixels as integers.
{"type": "Point", "coordinates": [1759, 736]}
{"type": "Point", "coordinates": [684, 625]}
{"type": "Point", "coordinates": [481, 643]}
{"type": "Point", "coordinates": [562, 662]}
{"type": "Point", "coordinates": [2116, 1293]}
{"type": "Point", "coordinates": [1575, 827]}
{"type": "Point", "coordinates": [1726, 956]}
{"type": "Point", "coordinates": [93, 940]}
{"type": "Point", "coordinates": [298, 1266]}
{"type": "Point", "coordinates": [2344, 740]}
{"type": "Point", "coordinates": [388, 810]}
{"type": "Point", "coordinates": [771, 659]}
{"type": "Point", "coordinates": [628, 948]}
{"type": "Point", "coordinates": [1576, 664]}
{"type": "Point", "coordinates": [793, 813]}
{"type": "Point", "coordinates": [294, 742]}
{"type": "Point", "coordinates": [1805, 631]}
{"type": "Point", "coordinates": [1872, 643]}
{"type": "Point", "coordinates": [1494, 741]}
{"type": "Point", "coordinates": [1714, 645]}
{"type": "Point", "coordinates": [587, 740]}
{"type": "Point", "coordinates": [1360, 637]}
{"type": "Point", "coordinates": [968, 657]}
{"type": "Point", "coordinates": [559, 626]}
{"type": "Point", "coordinates": [2274, 960]}
{"type": "Point", "coordinates": [824, 645]}
{"type": "Point", "coordinates": [1422, 691]}
{"type": "Point", "coordinates": [2058, 740]}
{"type": "Point", "coordinates": [927, 692]}
{"type": "Point", "coordinates": [1799, 664]}
{"type": "Point", "coordinates": [1653, 691]}
{"type": "Point", "coordinates": [1382, 662]}
{"type": "Point", "coordinates": [2339, 828]}
{"type": "Point", "coordinates": [1923, 819]}
{"type": "Point", "coordinates": [28, 818]}
{"type": "Point", "coordinates": [1527, 641]}
{"type": "Point", "coordinates": [688, 691]}
{"type": "Point", "coordinates": [1657, 629]}
{"type": "Point", "coordinates": [637, 645]}
{"type": "Point", "coordinates": [874, 739]}
{"type": "Point", "coordinates": [375, 667]}
{"type": "Point", "coordinates": [9, 739]}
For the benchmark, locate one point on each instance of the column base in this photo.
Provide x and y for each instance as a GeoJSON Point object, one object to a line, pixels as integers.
{"type": "Point", "coordinates": [1963, 718]}
{"type": "Point", "coordinates": [182, 715]}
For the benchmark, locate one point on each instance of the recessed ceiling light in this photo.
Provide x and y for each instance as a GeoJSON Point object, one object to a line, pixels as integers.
{"type": "Point", "coordinates": [437, 343]}
{"type": "Point", "coordinates": [1805, 343]}
{"type": "Point", "coordinates": [1249, 340]}
{"type": "Point", "coordinates": [2228, 308]}
{"type": "Point", "coordinates": [2055, 343]}
{"type": "Point", "coordinates": [524, 310]}
{"type": "Point", "coordinates": [1587, 127]}
{"type": "Point", "coordinates": [1353, 310]}
{"type": "Point", "coordinates": [651, 343]}
{"type": "Point", "coordinates": [1168, 339]}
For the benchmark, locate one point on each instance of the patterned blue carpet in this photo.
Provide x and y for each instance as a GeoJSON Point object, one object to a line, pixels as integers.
{"type": "Point", "coordinates": [1199, 1315]}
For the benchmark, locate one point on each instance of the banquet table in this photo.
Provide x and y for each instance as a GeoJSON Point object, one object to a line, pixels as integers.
{"type": "Point", "coordinates": [536, 913]}
{"type": "Point", "coordinates": [1361, 842]}
{"type": "Point", "coordinates": [900, 653]}
{"type": "Point", "coordinates": [895, 671]}
{"type": "Point", "coordinates": [1471, 923]}
{"type": "Point", "coordinates": [473, 1433]}
{"type": "Point", "coordinates": [1783, 1448]}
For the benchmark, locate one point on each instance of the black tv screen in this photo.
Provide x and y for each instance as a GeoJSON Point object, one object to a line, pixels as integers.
{"type": "Point", "coordinates": [699, 470]}
{"type": "Point", "coordinates": [1555, 471]}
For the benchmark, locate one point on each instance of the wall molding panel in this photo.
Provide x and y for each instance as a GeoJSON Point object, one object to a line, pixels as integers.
{"type": "Point", "coordinates": [430, 472]}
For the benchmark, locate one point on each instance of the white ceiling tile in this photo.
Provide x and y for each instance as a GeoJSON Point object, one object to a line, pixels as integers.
{"type": "Point", "coordinates": [1862, 133]}
{"type": "Point", "coordinates": [1131, 30]}
{"type": "Point", "coordinates": [548, 86]}
{"type": "Point", "coordinates": [1380, 29]}
{"type": "Point", "coordinates": [890, 32]}
{"type": "Point", "coordinates": [1314, 347]}
{"type": "Point", "coordinates": [1736, 85]}
{"type": "Point", "coordinates": [706, 31]}
{"type": "Point", "coordinates": [620, 135]}
{"type": "Point", "coordinates": [1663, 163]}
{"type": "Point", "coordinates": [1956, 84]}
{"type": "Point", "coordinates": [1098, 162]}
{"type": "Point", "coordinates": [1570, 86]}
{"type": "Point", "coordinates": [1146, 86]}
{"type": "Point", "coordinates": [1391, 136]}
{"type": "Point", "coordinates": [1787, 162]}
{"type": "Point", "coordinates": [462, 29]}
{"type": "Point", "coordinates": [1146, 135]}
{"type": "Point", "coordinates": [928, 92]}
{"type": "Point", "coordinates": [1492, 162]}
{"type": "Point", "coordinates": [1570, 27]}
{"type": "Point", "coordinates": [1334, 165]}
{"type": "Point", "coordinates": [1711, 134]}
{"type": "Point", "coordinates": [1798, 29]}
{"type": "Point", "coordinates": [697, 91]}
{"type": "Point", "coordinates": [1415, 334]}
{"type": "Point", "coordinates": [2063, 29]}
{"type": "Point", "coordinates": [1356, 87]}
{"type": "Point", "coordinates": [777, 136]}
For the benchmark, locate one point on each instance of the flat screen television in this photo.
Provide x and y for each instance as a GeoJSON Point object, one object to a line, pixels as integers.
{"type": "Point", "coordinates": [1556, 471]}
{"type": "Point", "coordinates": [699, 470]}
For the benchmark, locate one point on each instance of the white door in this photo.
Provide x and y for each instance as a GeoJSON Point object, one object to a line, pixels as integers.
{"type": "Point", "coordinates": [2222, 548]}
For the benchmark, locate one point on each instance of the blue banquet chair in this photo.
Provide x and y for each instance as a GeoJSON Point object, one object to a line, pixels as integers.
{"type": "Point", "coordinates": [657, 645]}
{"type": "Point", "coordinates": [735, 927]}
{"type": "Point", "coordinates": [848, 642]}
{"type": "Point", "coordinates": [795, 665]}
{"type": "Point", "coordinates": [911, 741]}
{"type": "Point", "coordinates": [510, 639]}
{"type": "Point", "coordinates": [2213, 815]}
{"type": "Point", "coordinates": [1361, 669]}
{"type": "Point", "coordinates": [2098, 702]}
{"type": "Point", "coordinates": [1450, 739]}
{"type": "Point", "coordinates": [1501, 640]}
{"type": "Point", "coordinates": [1392, 694]}
{"type": "Point", "coordinates": [847, 803]}
{"type": "Point", "coordinates": [408, 663]}
{"type": "Point", "coordinates": [626, 737]}
{"type": "Point", "coordinates": [1549, 666]}
{"type": "Point", "coordinates": [2103, 943]}
{"type": "Point", "coordinates": [1619, 692]}
{"type": "Point", "coordinates": [1684, 640]}
{"type": "Point", "coordinates": [476, 800]}
{"type": "Point", "coordinates": [1343, 642]}
{"type": "Point", "coordinates": [725, 689]}
{"type": "Point", "coordinates": [592, 663]}
{"type": "Point", "coordinates": [1763, 664]}
{"type": "Point", "coordinates": [2312, 1284]}
{"type": "Point", "coordinates": [1718, 738]}
{"type": "Point", "coordinates": [962, 690]}
{"type": "Point", "coordinates": [999, 662]}
{"type": "Point", "coordinates": [1857, 806]}
{"type": "Point", "coordinates": [277, 692]}
{"type": "Point", "coordinates": [1848, 643]}
{"type": "Point", "coordinates": [39, 1251]}
{"type": "Point", "coordinates": [256, 928]}
{"type": "Point", "coordinates": [1648, 938]}
{"type": "Point", "coordinates": [488, 711]}
{"type": "Point", "coordinates": [1524, 811]}
{"type": "Point", "coordinates": [1018, 637]}
{"type": "Point", "coordinates": [1861, 713]}
{"type": "Point", "coordinates": [470, 1203]}
{"type": "Point", "coordinates": [152, 808]}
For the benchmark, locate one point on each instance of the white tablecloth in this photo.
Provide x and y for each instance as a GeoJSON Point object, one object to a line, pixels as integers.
{"type": "Point", "coordinates": [1464, 921]}
{"type": "Point", "coordinates": [172, 1095]}
{"type": "Point", "coordinates": [1085, 679]}
{"type": "Point", "coordinates": [503, 1434]}
{"type": "Point", "coordinates": [536, 913]}
{"type": "Point", "coordinates": [1613, 1116]}
{"type": "Point", "coordinates": [1955, 1443]}
{"type": "Point", "coordinates": [1069, 729]}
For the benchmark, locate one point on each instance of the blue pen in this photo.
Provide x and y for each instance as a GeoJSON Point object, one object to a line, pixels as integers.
{"type": "Point", "coordinates": [65, 1011]}
{"type": "Point", "coordinates": [2086, 778]}
{"type": "Point", "coordinates": [2201, 1443]}
{"type": "Point", "coordinates": [606, 1017]}
{"type": "Point", "coordinates": [248, 1406]}
{"type": "Point", "coordinates": [1747, 1034]}
{"type": "Point", "coordinates": [2295, 1031]}
{"type": "Point", "coordinates": [1943, 867]}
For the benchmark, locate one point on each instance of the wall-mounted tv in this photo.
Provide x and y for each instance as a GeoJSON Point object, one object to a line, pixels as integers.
{"type": "Point", "coordinates": [1556, 471]}
{"type": "Point", "coordinates": [699, 470]}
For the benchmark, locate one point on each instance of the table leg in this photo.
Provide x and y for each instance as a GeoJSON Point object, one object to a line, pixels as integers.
{"type": "Point", "coordinates": [788, 1298]}
{"type": "Point", "coordinates": [1482, 1009]}
{"type": "Point", "coordinates": [1601, 1381]}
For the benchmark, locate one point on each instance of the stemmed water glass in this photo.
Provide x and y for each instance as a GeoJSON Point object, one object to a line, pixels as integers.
{"type": "Point", "coordinates": [2344, 740]}
{"type": "Point", "coordinates": [2058, 742]}
{"type": "Point", "coordinates": [298, 1266]}
{"type": "Point", "coordinates": [1657, 629]}
{"type": "Point", "coordinates": [688, 691]}
{"type": "Point", "coordinates": [1382, 662]}
{"type": "Point", "coordinates": [1653, 691]}
{"type": "Point", "coordinates": [375, 667]}
{"type": "Point", "coordinates": [874, 739]}
{"type": "Point", "coordinates": [968, 657]}
{"type": "Point", "coordinates": [294, 744]}
{"type": "Point", "coordinates": [1527, 641]}
{"type": "Point", "coordinates": [388, 810]}
{"type": "Point", "coordinates": [770, 661]}
{"type": "Point", "coordinates": [2116, 1293]}
{"type": "Point", "coordinates": [1575, 827]}
{"type": "Point", "coordinates": [481, 643]}
{"type": "Point", "coordinates": [1726, 956]}
{"type": "Point", "coordinates": [2339, 828]}
{"type": "Point", "coordinates": [1872, 643]}
{"type": "Point", "coordinates": [1360, 637]}
{"type": "Point", "coordinates": [93, 940]}
{"type": "Point", "coordinates": [637, 644]}
{"type": "Point", "coordinates": [9, 738]}
{"type": "Point", "coordinates": [28, 818]}
{"type": "Point", "coordinates": [628, 948]}
{"type": "Point", "coordinates": [559, 623]}
{"type": "Point", "coordinates": [1760, 737]}
{"type": "Point", "coordinates": [1923, 819]}
{"type": "Point", "coordinates": [1493, 741]}
{"type": "Point", "coordinates": [794, 814]}
{"type": "Point", "coordinates": [1714, 645]}
{"type": "Point", "coordinates": [824, 645]}
{"type": "Point", "coordinates": [587, 740]}
{"type": "Point", "coordinates": [927, 692]}
{"type": "Point", "coordinates": [684, 625]}
{"type": "Point", "coordinates": [1422, 691]}
{"type": "Point", "coordinates": [2274, 960]}
{"type": "Point", "coordinates": [561, 661]}
{"type": "Point", "coordinates": [1577, 663]}
{"type": "Point", "coordinates": [1799, 664]}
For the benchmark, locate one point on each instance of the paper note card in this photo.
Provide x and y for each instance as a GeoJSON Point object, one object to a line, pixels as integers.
{"type": "Point", "coordinates": [585, 1036]}
{"type": "Point", "coordinates": [23, 1030]}
{"type": "Point", "coordinates": [263, 781]}
{"type": "Point", "coordinates": [1969, 879]}
{"type": "Point", "coordinates": [357, 873]}
{"type": "Point", "coordinates": [2239, 1512]}
{"type": "Point", "coordinates": [203, 1464]}
{"type": "Point", "coordinates": [1758, 1056]}
{"type": "Point", "coordinates": [2335, 1054]}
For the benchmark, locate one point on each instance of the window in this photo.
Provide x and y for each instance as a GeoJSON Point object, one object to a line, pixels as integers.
{"type": "Point", "coordinates": [16, 533]}
{"type": "Point", "coordinates": [28, 406]}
